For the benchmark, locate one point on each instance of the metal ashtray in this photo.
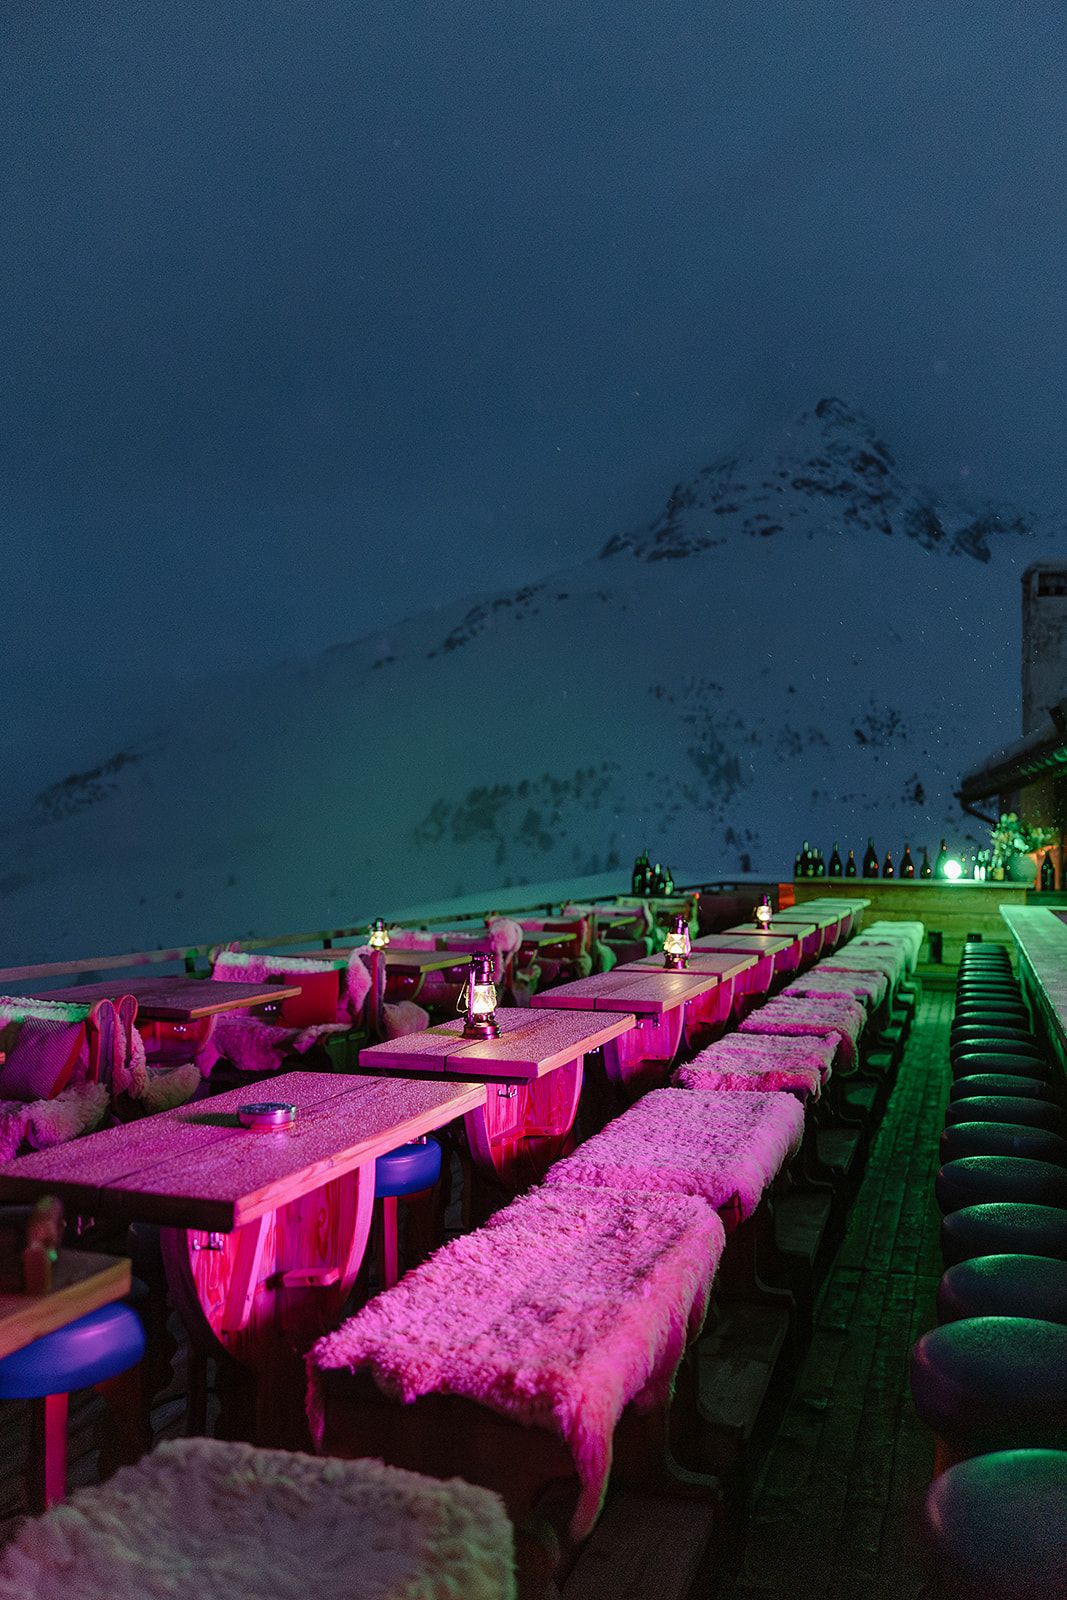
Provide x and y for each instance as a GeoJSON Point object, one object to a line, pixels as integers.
{"type": "Point", "coordinates": [267, 1114]}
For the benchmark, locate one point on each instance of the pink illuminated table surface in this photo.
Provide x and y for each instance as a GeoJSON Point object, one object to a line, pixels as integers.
{"type": "Point", "coordinates": [849, 909]}
{"type": "Point", "coordinates": [809, 937]}
{"type": "Point", "coordinates": [262, 1233]}
{"type": "Point", "coordinates": [740, 974]}
{"type": "Point", "coordinates": [533, 1072]}
{"type": "Point", "coordinates": [775, 954]}
{"type": "Point", "coordinates": [666, 1005]}
{"type": "Point", "coordinates": [176, 999]}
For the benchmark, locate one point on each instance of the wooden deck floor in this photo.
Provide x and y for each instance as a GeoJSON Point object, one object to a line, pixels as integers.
{"type": "Point", "coordinates": [835, 1505]}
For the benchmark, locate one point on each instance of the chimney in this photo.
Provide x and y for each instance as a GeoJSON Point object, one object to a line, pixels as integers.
{"type": "Point", "coordinates": [1044, 643]}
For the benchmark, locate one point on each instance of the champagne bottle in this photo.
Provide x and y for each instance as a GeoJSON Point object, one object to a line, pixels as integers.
{"type": "Point", "coordinates": [870, 861]}
{"type": "Point", "coordinates": [834, 869]}
{"type": "Point", "coordinates": [907, 865]}
{"type": "Point", "coordinates": [889, 871]}
{"type": "Point", "coordinates": [850, 865]}
{"type": "Point", "coordinates": [942, 857]}
{"type": "Point", "coordinates": [926, 870]}
{"type": "Point", "coordinates": [1048, 872]}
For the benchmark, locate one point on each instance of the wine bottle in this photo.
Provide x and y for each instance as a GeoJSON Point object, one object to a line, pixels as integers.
{"type": "Point", "coordinates": [805, 860]}
{"type": "Point", "coordinates": [870, 861]}
{"type": "Point", "coordinates": [798, 865]}
{"type": "Point", "coordinates": [888, 870]}
{"type": "Point", "coordinates": [656, 884]}
{"type": "Point", "coordinates": [926, 870]}
{"type": "Point", "coordinates": [834, 869]}
{"type": "Point", "coordinates": [907, 865]}
{"type": "Point", "coordinates": [639, 884]}
{"type": "Point", "coordinates": [668, 881]}
{"type": "Point", "coordinates": [942, 857]}
{"type": "Point", "coordinates": [850, 865]}
{"type": "Point", "coordinates": [820, 865]}
{"type": "Point", "coordinates": [1048, 872]}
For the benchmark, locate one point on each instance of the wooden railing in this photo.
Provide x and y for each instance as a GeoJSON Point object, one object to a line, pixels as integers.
{"type": "Point", "coordinates": [194, 957]}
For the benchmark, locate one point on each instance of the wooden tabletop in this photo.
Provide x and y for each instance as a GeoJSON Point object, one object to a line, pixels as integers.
{"type": "Point", "coordinates": [831, 903]}
{"type": "Point", "coordinates": [794, 928]}
{"type": "Point", "coordinates": [531, 1044]}
{"type": "Point", "coordinates": [1041, 939]}
{"type": "Point", "coordinates": [196, 1167]}
{"type": "Point", "coordinates": [722, 964]}
{"type": "Point", "coordinates": [822, 916]}
{"type": "Point", "coordinates": [630, 988]}
{"type": "Point", "coordinates": [80, 1283]}
{"type": "Point", "coordinates": [769, 943]}
{"type": "Point", "coordinates": [177, 999]}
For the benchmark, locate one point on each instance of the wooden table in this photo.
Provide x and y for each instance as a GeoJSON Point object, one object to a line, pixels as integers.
{"type": "Point", "coordinates": [1041, 944]}
{"type": "Point", "coordinates": [851, 907]}
{"type": "Point", "coordinates": [740, 974]}
{"type": "Point", "coordinates": [666, 1005]}
{"type": "Point", "coordinates": [80, 1283]}
{"type": "Point", "coordinates": [262, 1233]}
{"type": "Point", "coordinates": [809, 936]}
{"type": "Point", "coordinates": [534, 1071]}
{"type": "Point", "coordinates": [775, 954]}
{"type": "Point", "coordinates": [176, 999]}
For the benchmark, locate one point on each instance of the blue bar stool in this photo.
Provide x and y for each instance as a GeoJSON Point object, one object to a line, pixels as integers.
{"type": "Point", "coordinates": [409, 1170]}
{"type": "Point", "coordinates": [101, 1350]}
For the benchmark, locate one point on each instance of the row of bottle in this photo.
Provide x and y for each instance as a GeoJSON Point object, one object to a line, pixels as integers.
{"type": "Point", "coordinates": [650, 879]}
{"type": "Point", "coordinates": [809, 864]}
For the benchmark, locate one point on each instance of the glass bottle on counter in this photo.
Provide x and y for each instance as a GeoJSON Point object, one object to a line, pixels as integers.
{"type": "Point", "coordinates": [907, 865]}
{"type": "Point", "coordinates": [1048, 872]}
{"type": "Point", "coordinates": [834, 869]}
{"type": "Point", "coordinates": [850, 865]}
{"type": "Point", "coordinates": [926, 870]}
{"type": "Point", "coordinates": [942, 857]}
{"type": "Point", "coordinates": [870, 861]}
{"type": "Point", "coordinates": [888, 870]}
{"type": "Point", "coordinates": [639, 882]}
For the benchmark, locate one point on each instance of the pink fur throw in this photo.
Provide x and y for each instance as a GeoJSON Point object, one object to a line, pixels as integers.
{"type": "Point", "coordinates": [227, 1521]}
{"type": "Point", "coordinates": [567, 1306]}
{"type": "Point", "coordinates": [869, 987]}
{"type": "Point", "coordinates": [837, 1015]}
{"type": "Point", "coordinates": [886, 959]}
{"type": "Point", "coordinates": [257, 1046]}
{"type": "Point", "coordinates": [758, 1064]}
{"type": "Point", "coordinates": [718, 1146]}
{"type": "Point", "coordinates": [40, 1124]}
{"type": "Point", "coordinates": [402, 1018]}
{"type": "Point", "coordinates": [240, 966]}
{"type": "Point", "coordinates": [412, 939]}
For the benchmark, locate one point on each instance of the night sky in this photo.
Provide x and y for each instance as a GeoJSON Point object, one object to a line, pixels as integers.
{"type": "Point", "coordinates": [314, 315]}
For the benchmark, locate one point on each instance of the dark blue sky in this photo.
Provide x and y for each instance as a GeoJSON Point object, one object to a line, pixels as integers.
{"type": "Point", "coordinates": [312, 315]}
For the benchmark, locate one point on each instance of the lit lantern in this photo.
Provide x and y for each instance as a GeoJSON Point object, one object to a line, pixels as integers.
{"type": "Point", "coordinates": [953, 869]}
{"type": "Point", "coordinates": [478, 998]}
{"type": "Point", "coordinates": [763, 914]}
{"type": "Point", "coordinates": [676, 945]}
{"type": "Point", "coordinates": [379, 935]}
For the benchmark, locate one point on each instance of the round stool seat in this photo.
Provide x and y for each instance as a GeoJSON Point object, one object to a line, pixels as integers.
{"type": "Point", "coordinates": [98, 1346]}
{"type": "Point", "coordinates": [970, 1029]}
{"type": "Point", "coordinates": [975, 1180]}
{"type": "Point", "coordinates": [996, 1526]}
{"type": "Point", "coordinates": [987, 1085]}
{"type": "Point", "coordinates": [993, 1383]}
{"type": "Point", "coordinates": [1019, 1109]}
{"type": "Point", "coordinates": [1015, 1043]}
{"type": "Point", "coordinates": [1002, 1228]}
{"type": "Point", "coordinates": [407, 1170]}
{"type": "Point", "coordinates": [984, 1138]}
{"type": "Point", "coordinates": [981, 985]}
{"type": "Point", "coordinates": [1026, 1061]}
{"type": "Point", "coordinates": [993, 1005]}
{"type": "Point", "coordinates": [1004, 1286]}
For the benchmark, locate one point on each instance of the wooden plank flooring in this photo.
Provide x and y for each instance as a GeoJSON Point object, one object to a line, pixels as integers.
{"type": "Point", "coordinates": [834, 1509]}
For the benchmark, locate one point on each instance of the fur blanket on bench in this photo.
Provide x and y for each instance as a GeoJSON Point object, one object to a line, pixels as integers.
{"type": "Point", "coordinates": [761, 1063]}
{"type": "Point", "coordinates": [226, 1521]}
{"type": "Point", "coordinates": [837, 1015]}
{"type": "Point", "coordinates": [870, 988]}
{"type": "Point", "coordinates": [719, 1146]}
{"type": "Point", "coordinates": [568, 1306]}
{"type": "Point", "coordinates": [40, 1124]}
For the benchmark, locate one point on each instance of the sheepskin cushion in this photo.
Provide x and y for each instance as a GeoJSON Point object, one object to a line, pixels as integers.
{"type": "Point", "coordinates": [761, 1063]}
{"type": "Point", "coordinates": [227, 1521]}
{"type": "Point", "coordinates": [836, 1016]}
{"type": "Point", "coordinates": [567, 1306]}
{"type": "Point", "coordinates": [719, 1146]}
{"type": "Point", "coordinates": [44, 1123]}
{"type": "Point", "coordinates": [870, 988]}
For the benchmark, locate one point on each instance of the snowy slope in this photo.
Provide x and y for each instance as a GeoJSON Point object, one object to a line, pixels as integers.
{"type": "Point", "coordinates": [801, 645]}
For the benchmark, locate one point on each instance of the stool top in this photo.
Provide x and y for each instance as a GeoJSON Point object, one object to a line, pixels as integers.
{"type": "Point", "coordinates": [1004, 1286]}
{"type": "Point", "coordinates": [992, 1378]}
{"type": "Point", "coordinates": [1004, 1225]}
{"type": "Point", "coordinates": [970, 1180]}
{"type": "Point", "coordinates": [997, 1525]}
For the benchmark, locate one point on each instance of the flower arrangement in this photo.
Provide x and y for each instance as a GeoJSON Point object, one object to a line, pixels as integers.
{"type": "Point", "coordinates": [1011, 836]}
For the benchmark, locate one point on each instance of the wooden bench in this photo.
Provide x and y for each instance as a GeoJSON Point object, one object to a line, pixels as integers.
{"type": "Point", "coordinates": [535, 1356]}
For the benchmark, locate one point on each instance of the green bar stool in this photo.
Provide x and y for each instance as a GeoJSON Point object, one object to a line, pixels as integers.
{"type": "Point", "coordinates": [977, 1180]}
{"type": "Point", "coordinates": [1004, 1286]}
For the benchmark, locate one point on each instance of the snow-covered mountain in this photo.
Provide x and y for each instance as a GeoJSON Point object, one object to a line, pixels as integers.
{"type": "Point", "coordinates": [802, 644]}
